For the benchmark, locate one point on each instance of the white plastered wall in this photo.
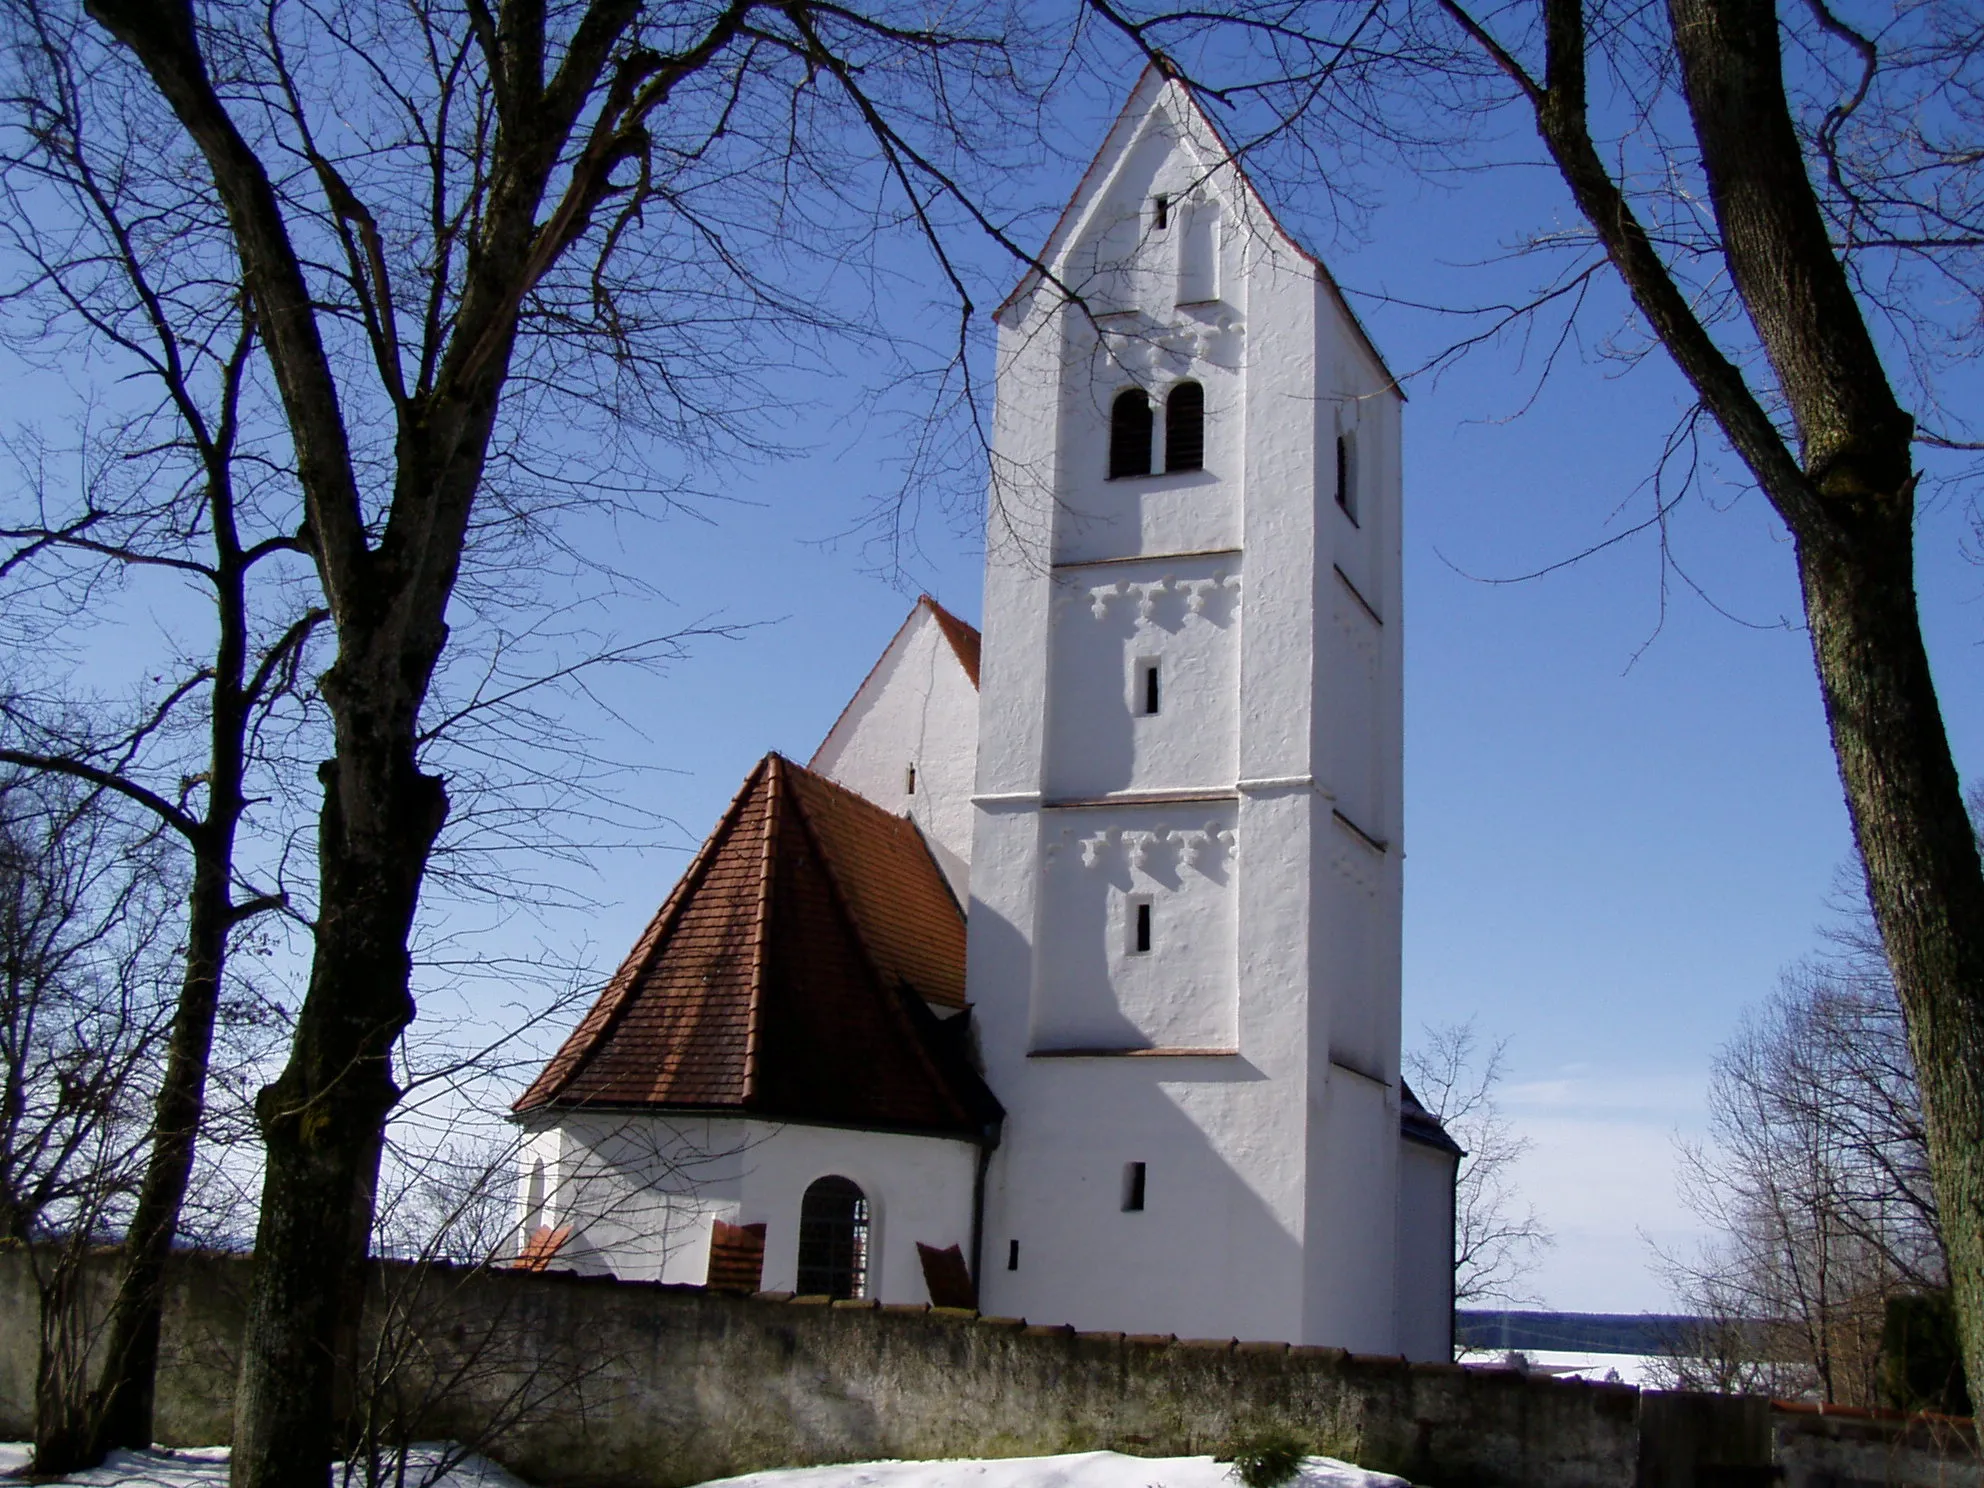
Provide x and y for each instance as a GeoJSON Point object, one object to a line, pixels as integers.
{"type": "Point", "coordinates": [1425, 1251]}
{"type": "Point", "coordinates": [1271, 1175]}
{"type": "Point", "coordinates": [917, 709]}
{"type": "Point", "coordinates": [641, 1191]}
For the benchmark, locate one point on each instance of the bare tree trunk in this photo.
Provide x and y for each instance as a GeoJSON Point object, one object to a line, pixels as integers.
{"type": "Point", "coordinates": [121, 1404]}
{"type": "Point", "coordinates": [61, 1425]}
{"type": "Point", "coordinates": [1921, 856]}
{"type": "Point", "coordinates": [322, 1118]}
{"type": "Point", "coordinates": [1847, 497]}
{"type": "Point", "coordinates": [1853, 520]}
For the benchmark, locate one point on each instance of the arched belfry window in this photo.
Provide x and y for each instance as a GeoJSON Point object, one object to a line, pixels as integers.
{"type": "Point", "coordinates": [1130, 425]}
{"type": "Point", "coordinates": [833, 1239]}
{"type": "Point", "coordinates": [1185, 428]}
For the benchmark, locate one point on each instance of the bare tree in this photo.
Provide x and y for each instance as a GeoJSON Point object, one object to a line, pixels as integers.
{"type": "Point", "coordinates": [455, 225]}
{"type": "Point", "coordinates": [109, 261]}
{"type": "Point", "coordinates": [86, 952]}
{"type": "Point", "coordinates": [1840, 256]}
{"type": "Point", "coordinates": [1498, 1235]}
{"type": "Point", "coordinates": [82, 940]}
{"type": "Point", "coordinates": [1814, 1181]}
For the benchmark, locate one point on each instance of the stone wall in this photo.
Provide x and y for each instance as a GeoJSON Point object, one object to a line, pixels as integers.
{"type": "Point", "coordinates": [1832, 1447]}
{"type": "Point", "coordinates": [593, 1383]}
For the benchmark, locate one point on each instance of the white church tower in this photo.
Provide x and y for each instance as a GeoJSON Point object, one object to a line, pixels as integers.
{"type": "Point", "coordinates": [1185, 877]}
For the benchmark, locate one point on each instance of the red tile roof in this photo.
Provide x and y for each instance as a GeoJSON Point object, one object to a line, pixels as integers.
{"type": "Point", "coordinates": [789, 975]}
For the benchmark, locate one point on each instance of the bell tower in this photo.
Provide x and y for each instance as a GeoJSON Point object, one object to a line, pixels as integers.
{"type": "Point", "coordinates": [1185, 876]}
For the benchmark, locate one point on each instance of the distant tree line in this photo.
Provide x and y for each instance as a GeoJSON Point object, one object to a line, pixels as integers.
{"type": "Point", "coordinates": [1827, 1271]}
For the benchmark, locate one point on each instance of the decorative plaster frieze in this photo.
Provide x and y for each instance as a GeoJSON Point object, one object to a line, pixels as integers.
{"type": "Point", "coordinates": [1147, 593]}
{"type": "Point", "coordinates": [1144, 850]}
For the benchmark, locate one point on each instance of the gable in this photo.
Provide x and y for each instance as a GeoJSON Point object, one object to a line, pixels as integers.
{"type": "Point", "coordinates": [917, 710]}
{"type": "Point", "coordinates": [1099, 248]}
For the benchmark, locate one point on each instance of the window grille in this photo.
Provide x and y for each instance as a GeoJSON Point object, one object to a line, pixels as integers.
{"type": "Point", "coordinates": [833, 1239]}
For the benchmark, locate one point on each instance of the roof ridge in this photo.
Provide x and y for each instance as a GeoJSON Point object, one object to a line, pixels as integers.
{"type": "Point", "coordinates": [617, 995]}
{"type": "Point", "coordinates": [761, 927]}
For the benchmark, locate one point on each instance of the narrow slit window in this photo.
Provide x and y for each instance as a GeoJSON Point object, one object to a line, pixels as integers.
{"type": "Point", "coordinates": [1012, 1255]}
{"type": "Point", "coordinates": [1149, 693]}
{"type": "Point", "coordinates": [1161, 212]}
{"type": "Point", "coordinates": [909, 781]}
{"type": "Point", "coordinates": [1185, 428]}
{"type": "Point", "coordinates": [1130, 425]}
{"type": "Point", "coordinates": [1140, 927]}
{"type": "Point", "coordinates": [534, 1200]}
{"type": "Point", "coordinates": [1346, 491]}
{"type": "Point", "coordinates": [1133, 1187]}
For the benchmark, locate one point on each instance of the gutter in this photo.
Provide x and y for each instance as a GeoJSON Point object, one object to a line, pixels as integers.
{"type": "Point", "coordinates": [988, 1139]}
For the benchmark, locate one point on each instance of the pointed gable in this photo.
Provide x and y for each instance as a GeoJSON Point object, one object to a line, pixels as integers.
{"type": "Point", "coordinates": [908, 738]}
{"type": "Point", "coordinates": [789, 975]}
{"type": "Point", "coordinates": [1093, 226]}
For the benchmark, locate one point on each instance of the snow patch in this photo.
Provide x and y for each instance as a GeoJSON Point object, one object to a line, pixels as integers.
{"type": "Point", "coordinates": [1072, 1470]}
{"type": "Point", "coordinates": [206, 1467]}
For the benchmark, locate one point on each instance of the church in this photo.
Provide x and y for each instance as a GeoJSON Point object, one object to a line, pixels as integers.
{"type": "Point", "coordinates": [1063, 980]}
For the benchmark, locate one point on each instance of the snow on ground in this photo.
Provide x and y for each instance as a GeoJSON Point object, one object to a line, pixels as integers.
{"type": "Point", "coordinates": [206, 1467]}
{"type": "Point", "coordinates": [1075, 1470]}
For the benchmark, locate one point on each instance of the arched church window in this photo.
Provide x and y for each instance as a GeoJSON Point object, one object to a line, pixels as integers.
{"type": "Point", "coordinates": [1130, 426]}
{"type": "Point", "coordinates": [833, 1239]}
{"type": "Point", "coordinates": [1185, 428]}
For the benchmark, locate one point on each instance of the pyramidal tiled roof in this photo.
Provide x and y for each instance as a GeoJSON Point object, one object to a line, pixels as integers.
{"type": "Point", "coordinates": [789, 976]}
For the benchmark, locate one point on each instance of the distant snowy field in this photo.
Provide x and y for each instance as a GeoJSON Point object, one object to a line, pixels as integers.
{"type": "Point", "coordinates": [1626, 1369]}
{"type": "Point", "coordinates": [206, 1467]}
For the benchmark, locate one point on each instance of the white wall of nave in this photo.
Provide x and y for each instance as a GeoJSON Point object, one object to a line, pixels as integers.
{"type": "Point", "coordinates": [640, 1192]}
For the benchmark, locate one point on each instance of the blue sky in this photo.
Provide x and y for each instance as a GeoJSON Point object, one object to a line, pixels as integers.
{"type": "Point", "coordinates": [1620, 823]}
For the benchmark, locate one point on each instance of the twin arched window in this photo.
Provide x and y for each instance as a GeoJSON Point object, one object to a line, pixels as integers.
{"type": "Point", "coordinates": [1132, 422]}
{"type": "Point", "coordinates": [833, 1239]}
